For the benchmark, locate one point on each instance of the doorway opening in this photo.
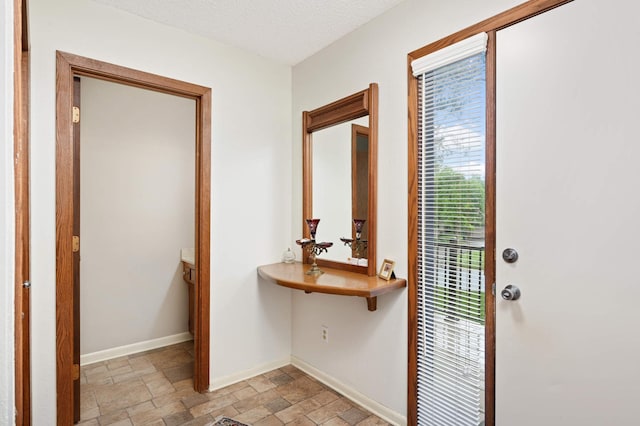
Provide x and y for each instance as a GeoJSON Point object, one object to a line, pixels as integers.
{"type": "Point", "coordinates": [67, 302]}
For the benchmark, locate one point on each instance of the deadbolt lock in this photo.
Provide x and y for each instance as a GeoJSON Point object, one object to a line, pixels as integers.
{"type": "Point", "coordinates": [510, 255]}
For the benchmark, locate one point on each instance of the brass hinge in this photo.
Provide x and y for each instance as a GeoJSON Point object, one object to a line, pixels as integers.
{"type": "Point", "coordinates": [76, 244]}
{"type": "Point", "coordinates": [76, 114]}
{"type": "Point", "coordinates": [76, 371]}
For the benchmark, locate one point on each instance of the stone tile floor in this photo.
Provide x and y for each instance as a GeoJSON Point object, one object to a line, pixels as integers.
{"type": "Point", "coordinates": [155, 388]}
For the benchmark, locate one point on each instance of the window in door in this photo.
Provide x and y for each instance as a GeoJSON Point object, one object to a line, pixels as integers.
{"type": "Point", "coordinates": [450, 234]}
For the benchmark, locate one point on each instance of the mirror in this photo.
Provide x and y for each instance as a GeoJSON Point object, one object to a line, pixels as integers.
{"type": "Point", "coordinates": [340, 187]}
{"type": "Point", "coordinates": [340, 178]}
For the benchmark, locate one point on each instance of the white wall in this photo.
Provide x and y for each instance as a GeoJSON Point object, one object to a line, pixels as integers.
{"type": "Point", "coordinates": [251, 177]}
{"type": "Point", "coordinates": [367, 351]}
{"type": "Point", "coordinates": [7, 219]}
{"type": "Point", "coordinates": [137, 209]}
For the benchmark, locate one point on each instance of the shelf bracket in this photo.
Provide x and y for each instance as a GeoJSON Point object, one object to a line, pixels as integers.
{"type": "Point", "coordinates": [372, 303]}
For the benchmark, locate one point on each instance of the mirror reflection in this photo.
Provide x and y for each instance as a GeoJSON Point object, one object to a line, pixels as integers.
{"type": "Point", "coordinates": [360, 179]}
{"type": "Point", "coordinates": [340, 186]}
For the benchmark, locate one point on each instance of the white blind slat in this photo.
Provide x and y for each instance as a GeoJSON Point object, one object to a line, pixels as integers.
{"type": "Point", "coordinates": [451, 161]}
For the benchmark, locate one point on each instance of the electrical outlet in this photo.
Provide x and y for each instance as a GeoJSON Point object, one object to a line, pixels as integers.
{"type": "Point", "coordinates": [325, 334]}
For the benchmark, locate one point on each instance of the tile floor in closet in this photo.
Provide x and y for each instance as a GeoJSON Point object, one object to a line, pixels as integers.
{"type": "Point", "coordinates": [156, 388]}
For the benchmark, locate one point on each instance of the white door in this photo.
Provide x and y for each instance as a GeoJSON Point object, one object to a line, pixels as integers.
{"type": "Point", "coordinates": [568, 200]}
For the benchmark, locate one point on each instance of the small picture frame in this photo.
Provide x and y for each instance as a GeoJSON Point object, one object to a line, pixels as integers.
{"type": "Point", "coordinates": [386, 270]}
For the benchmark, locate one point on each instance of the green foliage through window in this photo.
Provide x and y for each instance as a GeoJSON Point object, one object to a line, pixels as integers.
{"type": "Point", "coordinates": [460, 204]}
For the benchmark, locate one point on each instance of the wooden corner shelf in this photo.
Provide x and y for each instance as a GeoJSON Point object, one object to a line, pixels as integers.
{"type": "Point", "coordinates": [333, 281]}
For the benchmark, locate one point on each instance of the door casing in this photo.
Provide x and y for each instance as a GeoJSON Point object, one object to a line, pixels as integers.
{"type": "Point", "coordinates": [67, 66]}
{"type": "Point", "coordinates": [22, 299]}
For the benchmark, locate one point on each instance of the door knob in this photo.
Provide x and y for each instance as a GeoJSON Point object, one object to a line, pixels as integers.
{"type": "Point", "coordinates": [510, 292]}
{"type": "Point", "coordinates": [510, 255]}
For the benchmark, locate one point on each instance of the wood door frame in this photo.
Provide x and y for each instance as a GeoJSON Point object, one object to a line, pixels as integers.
{"type": "Point", "coordinates": [67, 66]}
{"type": "Point", "coordinates": [503, 20]}
{"type": "Point", "coordinates": [357, 129]}
{"type": "Point", "coordinates": [22, 296]}
{"type": "Point", "coordinates": [76, 255]}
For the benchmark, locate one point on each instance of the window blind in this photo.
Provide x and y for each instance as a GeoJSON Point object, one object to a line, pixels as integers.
{"type": "Point", "coordinates": [451, 197]}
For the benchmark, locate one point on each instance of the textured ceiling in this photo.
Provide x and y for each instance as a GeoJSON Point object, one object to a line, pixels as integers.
{"type": "Point", "coordinates": [285, 30]}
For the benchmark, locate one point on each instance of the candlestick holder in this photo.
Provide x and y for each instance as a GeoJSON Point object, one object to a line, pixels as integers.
{"type": "Point", "coordinates": [312, 247]}
{"type": "Point", "coordinates": [358, 245]}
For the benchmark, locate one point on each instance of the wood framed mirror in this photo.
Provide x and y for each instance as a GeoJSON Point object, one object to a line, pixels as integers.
{"type": "Point", "coordinates": [339, 177]}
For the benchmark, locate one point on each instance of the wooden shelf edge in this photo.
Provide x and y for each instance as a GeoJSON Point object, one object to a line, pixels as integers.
{"type": "Point", "coordinates": [332, 281]}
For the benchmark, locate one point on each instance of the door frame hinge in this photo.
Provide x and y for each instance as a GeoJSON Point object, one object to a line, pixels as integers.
{"type": "Point", "coordinates": [75, 243]}
{"type": "Point", "coordinates": [493, 289]}
{"type": "Point", "coordinates": [76, 371]}
{"type": "Point", "coordinates": [75, 114]}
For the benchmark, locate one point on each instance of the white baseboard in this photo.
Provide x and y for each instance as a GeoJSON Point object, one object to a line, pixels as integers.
{"type": "Point", "coordinates": [134, 348]}
{"type": "Point", "coordinates": [247, 374]}
{"type": "Point", "coordinates": [376, 408]}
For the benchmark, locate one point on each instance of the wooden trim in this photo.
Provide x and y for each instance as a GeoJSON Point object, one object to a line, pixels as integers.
{"type": "Point", "coordinates": [22, 296]}
{"type": "Point", "coordinates": [68, 65]}
{"type": "Point", "coordinates": [76, 255]}
{"type": "Point", "coordinates": [203, 242]}
{"type": "Point", "coordinates": [491, 26]}
{"type": "Point", "coordinates": [307, 177]}
{"type": "Point", "coordinates": [412, 246]}
{"type": "Point", "coordinates": [351, 107]}
{"type": "Point", "coordinates": [88, 67]}
{"type": "Point", "coordinates": [340, 111]}
{"type": "Point", "coordinates": [503, 20]}
{"type": "Point", "coordinates": [372, 227]}
{"type": "Point", "coordinates": [64, 234]}
{"type": "Point", "coordinates": [490, 231]}
{"type": "Point", "coordinates": [343, 266]}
